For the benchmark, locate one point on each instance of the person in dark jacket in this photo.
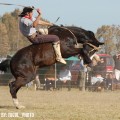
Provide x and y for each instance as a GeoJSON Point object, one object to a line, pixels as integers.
{"type": "Point", "coordinates": [117, 66]}
{"type": "Point", "coordinates": [99, 68]}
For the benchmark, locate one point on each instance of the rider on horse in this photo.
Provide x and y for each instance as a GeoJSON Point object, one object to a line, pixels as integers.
{"type": "Point", "coordinates": [28, 26]}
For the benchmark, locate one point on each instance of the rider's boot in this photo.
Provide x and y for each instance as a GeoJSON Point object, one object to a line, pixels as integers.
{"type": "Point", "coordinates": [59, 58]}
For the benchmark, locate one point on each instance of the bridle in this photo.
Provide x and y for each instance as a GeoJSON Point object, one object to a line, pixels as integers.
{"type": "Point", "coordinates": [80, 45]}
{"type": "Point", "coordinates": [71, 33]}
{"type": "Point", "coordinates": [93, 46]}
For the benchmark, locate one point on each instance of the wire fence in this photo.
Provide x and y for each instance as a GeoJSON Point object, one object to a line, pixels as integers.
{"type": "Point", "coordinates": [78, 80]}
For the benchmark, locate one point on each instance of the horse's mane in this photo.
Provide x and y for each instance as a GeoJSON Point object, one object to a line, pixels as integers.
{"type": "Point", "coordinates": [78, 31]}
{"type": "Point", "coordinates": [84, 35]}
{"type": "Point", "coordinates": [61, 32]}
{"type": "Point", "coordinates": [88, 32]}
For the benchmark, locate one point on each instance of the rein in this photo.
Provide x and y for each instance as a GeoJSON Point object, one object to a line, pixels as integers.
{"type": "Point", "coordinates": [71, 33]}
{"type": "Point", "coordinates": [94, 47]}
{"type": "Point", "coordinates": [77, 45]}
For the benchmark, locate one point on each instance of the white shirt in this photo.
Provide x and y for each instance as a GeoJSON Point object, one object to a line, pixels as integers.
{"type": "Point", "coordinates": [26, 26]}
{"type": "Point", "coordinates": [96, 79]}
{"type": "Point", "coordinates": [65, 75]}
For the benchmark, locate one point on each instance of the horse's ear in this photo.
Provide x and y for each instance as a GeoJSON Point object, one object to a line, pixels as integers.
{"type": "Point", "coordinates": [91, 33]}
{"type": "Point", "coordinates": [101, 43]}
{"type": "Point", "coordinates": [62, 25]}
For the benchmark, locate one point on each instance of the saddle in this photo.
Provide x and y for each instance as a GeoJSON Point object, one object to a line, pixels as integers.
{"type": "Point", "coordinates": [43, 31]}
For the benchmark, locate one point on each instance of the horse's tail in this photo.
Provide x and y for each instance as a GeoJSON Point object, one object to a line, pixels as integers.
{"type": "Point", "coordinates": [4, 66]}
{"type": "Point", "coordinates": [11, 69]}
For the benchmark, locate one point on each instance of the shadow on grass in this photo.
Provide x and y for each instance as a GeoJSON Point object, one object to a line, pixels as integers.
{"type": "Point", "coordinates": [7, 107]}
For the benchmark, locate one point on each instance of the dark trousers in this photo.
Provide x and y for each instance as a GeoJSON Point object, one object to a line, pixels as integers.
{"type": "Point", "coordinates": [49, 84]}
{"type": "Point", "coordinates": [60, 84]}
{"type": "Point", "coordinates": [44, 39]}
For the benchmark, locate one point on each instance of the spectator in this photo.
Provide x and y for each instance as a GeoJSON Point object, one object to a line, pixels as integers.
{"type": "Point", "coordinates": [50, 78]}
{"type": "Point", "coordinates": [99, 68]}
{"type": "Point", "coordinates": [98, 83]}
{"type": "Point", "coordinates": [65, 77]}
{"type": "Point", "coordinates": [74, 67]}
{"type": "Point", "coordinates": [37, 82]}
{"type": "Point", "coordinates": [117, 66]}
{"type": "Point", "coordinates": [111, 81]}
{"type": "Point", "coordinates": [82, 76]}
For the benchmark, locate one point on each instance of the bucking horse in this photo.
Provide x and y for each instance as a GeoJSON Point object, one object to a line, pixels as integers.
{"type": "Point", "coordinates": [74, 41]}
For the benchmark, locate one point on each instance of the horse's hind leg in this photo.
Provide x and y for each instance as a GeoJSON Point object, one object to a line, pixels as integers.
{"type": "Point", "coordinates": [14, 87]}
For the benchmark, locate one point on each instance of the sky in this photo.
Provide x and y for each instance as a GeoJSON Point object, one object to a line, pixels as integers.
{"type": "Point", "coordinates": [88, 14]}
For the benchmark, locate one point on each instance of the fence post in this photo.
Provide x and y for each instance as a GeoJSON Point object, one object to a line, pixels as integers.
{"type": "Point", "coordinates": [82, 80]}
{"type": "Point", "coordinates": [55, 75]}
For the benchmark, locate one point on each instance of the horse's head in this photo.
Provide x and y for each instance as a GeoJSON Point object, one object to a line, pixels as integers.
{"type": "Point", "coordinates": [72, 35]}
{"type": "Point", "coordinates": [89, 41]}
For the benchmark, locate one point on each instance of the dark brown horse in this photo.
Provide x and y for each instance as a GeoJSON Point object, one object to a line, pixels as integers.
{"type": "Point", "coordinates": [26, 61]}
{"type": "Point", "coordinates": [87, 38]}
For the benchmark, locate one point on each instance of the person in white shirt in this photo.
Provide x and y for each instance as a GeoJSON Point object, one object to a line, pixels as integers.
{"type": "Point", "coordinates": [65, 76]}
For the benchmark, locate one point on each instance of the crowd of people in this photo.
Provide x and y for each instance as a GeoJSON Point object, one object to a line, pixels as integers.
{"type": "Point", "coordinates": [100, 74]}
{"type": "Point", "coordinates": [63, 76]}
{"type": "Point", "coordinates": [59, 79]}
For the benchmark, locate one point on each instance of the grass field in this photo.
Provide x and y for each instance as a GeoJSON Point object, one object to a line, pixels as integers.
{"type": "Point", "coordinates": [61, 105]}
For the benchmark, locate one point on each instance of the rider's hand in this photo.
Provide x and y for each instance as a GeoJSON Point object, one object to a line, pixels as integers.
{"type": "Point", "coordinates": [38, 11]}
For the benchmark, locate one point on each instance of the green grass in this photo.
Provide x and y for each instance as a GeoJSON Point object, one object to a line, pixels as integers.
{"type": "Point", "coordinates": [62, 105]}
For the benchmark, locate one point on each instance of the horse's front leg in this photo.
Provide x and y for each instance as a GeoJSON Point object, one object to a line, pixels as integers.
{"type": "Point", "coordinates": [85, 56]}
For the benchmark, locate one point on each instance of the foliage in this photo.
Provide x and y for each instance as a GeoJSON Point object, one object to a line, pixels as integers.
{"type": "Point", "coordinates": [11, 39]}
{"type": "Point", "coordinates": [111, 37]}
{"type": "Point", "coordinates": [4, 41]}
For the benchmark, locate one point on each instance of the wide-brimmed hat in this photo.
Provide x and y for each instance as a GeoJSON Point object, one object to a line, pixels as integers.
{"type": "Point", "coordinates": [25, 10]}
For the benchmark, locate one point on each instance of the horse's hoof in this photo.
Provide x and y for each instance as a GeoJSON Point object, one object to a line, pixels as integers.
{"type": "Point", "coordinates": [20, 107]}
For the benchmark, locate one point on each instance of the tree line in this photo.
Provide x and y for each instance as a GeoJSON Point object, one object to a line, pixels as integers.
{"type": "Point", "coordinates": [110, 35]}
{"type": "Point", "coordinates": [11, 40]}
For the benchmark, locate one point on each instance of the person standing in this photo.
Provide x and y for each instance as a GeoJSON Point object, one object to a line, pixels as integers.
{"type": "Point", "coordinates": [101, 67]}
{"type": "Point", "coordinates": [82, 75]}
{"type": "Point", "coordinates": [50, 78]}
{"type": "Point", "coordinates": [117, 66]}
{"type": "Point", "coordinates": [65, 76]}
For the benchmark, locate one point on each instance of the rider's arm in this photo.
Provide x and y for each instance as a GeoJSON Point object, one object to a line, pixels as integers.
{"type": "Point", "coordinates": [36, 22]}
{"type": "Point", "coordinates": [41, 22]}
